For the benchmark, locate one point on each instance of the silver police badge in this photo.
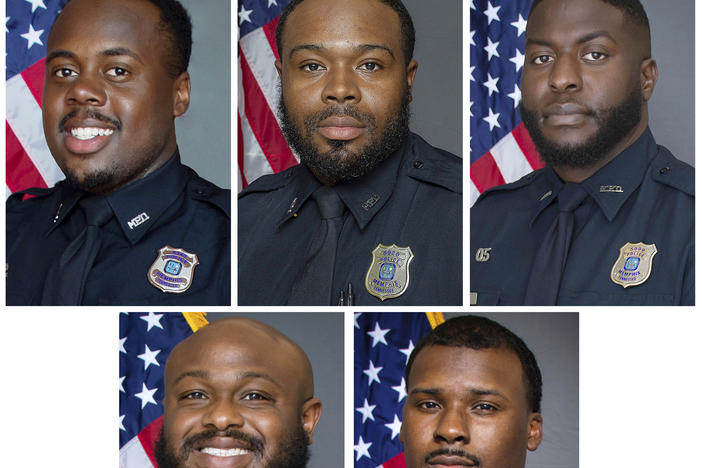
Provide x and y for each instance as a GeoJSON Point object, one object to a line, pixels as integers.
{"type": "Point", "coordinates": [172, 271]}
{"type": "Point", "coordinates": [634, 264]}
{"type": "Point", "coordinates": [388, 274]}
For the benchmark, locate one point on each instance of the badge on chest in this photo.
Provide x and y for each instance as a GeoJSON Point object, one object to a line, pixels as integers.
{"type": "Point", "coordinates": [388, 275]}
{"type": "Point", "coordinates": [634, 264]}
{"type": "Point", "coordinates": [172, 271]}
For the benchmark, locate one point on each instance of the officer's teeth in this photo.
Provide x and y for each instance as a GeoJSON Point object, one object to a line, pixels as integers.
{"type": "Point", "coordinates": [224, 452]}
{"type": "Point", "coordinates": [87, 133]}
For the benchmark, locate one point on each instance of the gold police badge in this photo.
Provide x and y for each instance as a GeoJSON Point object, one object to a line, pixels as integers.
{"type": "Point", "coordinates": [388, 274]}
{"type": "Point", "coordinates": [172, 271]}
{"type": "Point", "coordinates": [633, 266]}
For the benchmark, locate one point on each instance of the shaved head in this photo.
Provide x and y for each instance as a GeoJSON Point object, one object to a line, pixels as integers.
{"type": "Point", "coordinates": [238, 391]}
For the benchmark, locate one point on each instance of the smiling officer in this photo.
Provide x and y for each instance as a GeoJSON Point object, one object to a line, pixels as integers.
{"type": "Point", "coordinates": [610, 219]}
{"type": "Point", "coordinates": [130, 224]}
{"type": "Point", "coordinates": [372, 215]}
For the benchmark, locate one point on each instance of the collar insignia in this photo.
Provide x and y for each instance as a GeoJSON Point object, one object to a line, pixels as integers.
{"type": "Point", "coordinates": [633, 267]}
{"type": "Point", "coordinates": [388, 273]}
{"type": "Point", "coordinates": [172, 271]}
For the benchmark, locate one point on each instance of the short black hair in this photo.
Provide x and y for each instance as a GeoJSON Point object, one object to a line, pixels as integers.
{"type": "Point", "coordinates": [474, 332]}
{"type": "Point", "coordinates": [406, 25]}
{"type": "Point", "coordinates": [631, 8]}
{"type": "Point", "coordinates": [176, 22]}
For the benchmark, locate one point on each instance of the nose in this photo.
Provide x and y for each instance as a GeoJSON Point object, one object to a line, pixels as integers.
{"type": "Point", "coordinates": [452, 427]}
{"type": "Point", "coordinates": [87, 89]}
{"type": "Point", "coordinates": [341, 87]}
{"type": "Point", "coordinates": [223, 414]}
{"type": "Point", "coordinates": [565, 75]}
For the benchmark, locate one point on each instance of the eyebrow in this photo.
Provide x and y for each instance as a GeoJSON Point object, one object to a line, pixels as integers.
{"type": "Point", "coordinates": [113, 52]}
{"type": "Point", "coordinates": [474, 390]}
{"type": "Point", "coordinates": [201, 374]}
{"type": "Point", "coordinates": [586, 38]}
{"type": "Point", "coordinates": [359, 48]}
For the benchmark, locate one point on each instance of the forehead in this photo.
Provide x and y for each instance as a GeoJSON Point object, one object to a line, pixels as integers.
{"type": "Point", "coordinates": [342, 22]}
{"type": "Point", "coordinates": [461, 369]}
{"type": "Point", "coordinates": [566, 20]}
{"type": "Point", "coordinates": [87, 24]}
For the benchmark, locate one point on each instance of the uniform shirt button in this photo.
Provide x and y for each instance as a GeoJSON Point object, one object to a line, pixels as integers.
{"type": "Point", "coordinates": [418, 164]}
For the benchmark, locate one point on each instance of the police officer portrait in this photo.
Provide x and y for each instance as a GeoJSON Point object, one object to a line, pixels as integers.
{"type": "Point", "coordinates": [128, 223]}
{"type": "Point", "coordinates": [489, 390]}
{"type": "Point", "coordinates": [609, 218]}
{"type": "Point", "coordinates": [237, 392]}
{"type": "Point", "coordinates": [372, 214]}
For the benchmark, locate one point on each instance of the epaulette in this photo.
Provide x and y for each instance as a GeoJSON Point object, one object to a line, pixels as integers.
{"type": "Point", "coordinates": [669, 170]}
{"type": "Point", "coordinates": [270, 182]}
{"type": "Point", "coordinates": [517, 184]}
{"type": "Point", "coordinates": [34, 192]}
{"type": "Point", "coordinates": [435, 166]}
{"type": "Point", "coordinates": [201, 189]}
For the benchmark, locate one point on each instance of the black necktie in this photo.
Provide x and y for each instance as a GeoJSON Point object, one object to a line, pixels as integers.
{"type": "Point", "coordinates": [545, 277]}
{"type": "Point", "coordinates": [314, 285]}
{"type": "Point", "coordinates": [66, 278]}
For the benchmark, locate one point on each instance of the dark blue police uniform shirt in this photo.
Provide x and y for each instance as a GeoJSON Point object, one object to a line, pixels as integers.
{"type": "Point", "coordinates": [413, 199]}
{"type": "Point", "coordinates": [184, 211]}
{"type": "Point", "coordinates": [644, 195]}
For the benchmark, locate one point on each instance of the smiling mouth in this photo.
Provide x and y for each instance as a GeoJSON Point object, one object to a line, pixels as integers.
{"type": "Point", "coordinates": [88, 133]}
{"type": "Point", "coordinates": [217, 452]}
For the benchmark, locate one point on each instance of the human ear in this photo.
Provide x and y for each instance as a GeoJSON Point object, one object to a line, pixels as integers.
{"type": "Point", "coordinates": [181, 94]}
{"type": "Point", "coordinates": [310, 413]}
{"type": "Point", "coordinates": [535, 431]}
{"type": "Point", "coordinates": [649, 76]}
{"type": "Point", "coordinates": [411, 72]}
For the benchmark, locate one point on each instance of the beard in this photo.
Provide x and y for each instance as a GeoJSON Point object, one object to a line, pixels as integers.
{"type": "Point", "coordinates": [338, 163]}
{"type": "Point", "coordinates": [293, 451]}
{"type": "Point", "coordinates": [613, 124]}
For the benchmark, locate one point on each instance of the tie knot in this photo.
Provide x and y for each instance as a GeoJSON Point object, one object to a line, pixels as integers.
{"type": "Point", "coordinates": [97, 210]}
{"type": "Point", "coordinates": [571, 196]}
{"type": "Point", "coordinates": [329, 203]}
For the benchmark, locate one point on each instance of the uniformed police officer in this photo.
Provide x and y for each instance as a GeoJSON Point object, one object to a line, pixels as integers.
{"type": "Point", "coordinates": [610, 219]}
{"type": "Point", "coordinates": [130, 224]}
{"type": "Point", "coordinates": [373, 214]}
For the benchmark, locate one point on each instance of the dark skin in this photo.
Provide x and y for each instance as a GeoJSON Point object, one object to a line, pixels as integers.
{"type": "Point", "coordinates": [467, 407]}
{"type": "Point", "coordinates": [583, 57]}
{"type": "Point", "coordinates": [237, 375]}
{"type": "Point", "coordinates": [340, 53]}
{"type": "Point", "coordinates": [110, 74]}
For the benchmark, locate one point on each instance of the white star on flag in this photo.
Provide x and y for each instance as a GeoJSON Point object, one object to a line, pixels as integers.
{"type": "Point", "coordinates": [491, 84]}
{"type": "Point", "coordinates": [121, 384]}
{"type": "Point", "coordinates": [36, 4]}
{"type": "Point", "coordinates": [153, 320]}
{"type": "Point", "coordinates": [366, 411]}
{"type": "Point", "coordinates": [149, 357]}
{"type": "Point", "coordinates": [372, 373]}
{"type": "Point", "coordinates": [33, 37]}
{"type": "Point", "coordinates": [401, 391]}
{"type": "Point", "coordinates": [520, 24]}
{"type": "Point", "coordinates": [146, 395]}
{"type": "Point", "coordinates": [492, 119]}
{"type": "Point", "coordinates": [516, 96]}
{"type": "Point", "coordinates": [121, 420]}
{"type": "Point", "coordinates": [272, 2]}
{"type": "Point", "coordinates": [491, 13]}
{"type": "Point", "coordinates": [355, 320]}
{"type": "Point", "coordinates": [491, 49]}
{"type": "Point", "coordinates": [361, 448]}
{"type": "Point", "coordinates": [378, 335]}
{"type": "Point", "coordinates": [121, 345]}
{"type": "Point", "coordinates": [472, 33]}
{"type": "Point", "coordinates": [518, 59]}
{"type": "Point", "coordinates": [408, 351]}
{"type": "Point", "coordinates": [244, 15]}
{"type": "Point", "coordinates": [395, 427]}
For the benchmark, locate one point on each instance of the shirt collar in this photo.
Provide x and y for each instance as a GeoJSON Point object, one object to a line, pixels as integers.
{"type": "Point", "coordinates": [139, 204]}
{"type": "Point", "coordinates": [364, 196]}
{"type": "Point", "coordinates": [612, 185]}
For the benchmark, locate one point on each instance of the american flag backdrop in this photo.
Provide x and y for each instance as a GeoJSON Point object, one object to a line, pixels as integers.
{"type": "Point", "coordinates": [145, 341]}
{"type": "Point", "coordinates": [261, 148]}
{"type": "Point", "coordinates": [383, 343]}
{"type": "Point", "coordinates": [501, 150]}
{"type": "Point", "coordinates": [28, 160]}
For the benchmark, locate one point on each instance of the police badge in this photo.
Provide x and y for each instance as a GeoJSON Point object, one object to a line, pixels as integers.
{"type": "Point", "coordinates": [633, 266]}
{"type": "Point", "coordinates": [172, 271]}
{"type": "Point", "coordinates": [388, 274]}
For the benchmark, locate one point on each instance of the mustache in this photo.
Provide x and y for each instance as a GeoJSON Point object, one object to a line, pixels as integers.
{"type": "Point", "coordinates": [456, 452]}
{"type": "Point", "coordinates": [254, 444]}
{"type": "Point", "coordinates": [92, 114]}
{"type": "Point", "coordinates": [312, 120]}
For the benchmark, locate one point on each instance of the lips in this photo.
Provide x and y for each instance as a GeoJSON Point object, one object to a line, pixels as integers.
{"type": "Point", "coordinates": [340, 128]}
{"type": "Point", "coordinates": [86, 136]}
{"type": "Point", "coordinates": [448, 461]}
{"type": "Point", "coordinates": [565, 114]}
{"type": "Point", "coordinates": [222, 452]}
